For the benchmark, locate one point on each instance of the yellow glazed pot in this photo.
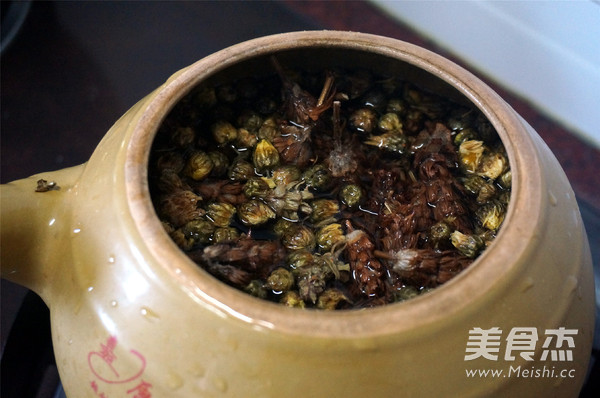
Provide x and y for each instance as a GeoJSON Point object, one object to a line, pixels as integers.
{"type": "Point", "coordinates": [133, 316]}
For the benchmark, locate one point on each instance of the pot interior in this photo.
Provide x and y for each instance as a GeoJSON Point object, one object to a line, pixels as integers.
{"type": "Point", "coordinates": [227, 68]}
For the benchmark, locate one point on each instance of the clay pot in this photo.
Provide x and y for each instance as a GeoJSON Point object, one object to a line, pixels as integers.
{"type": "Point", "coordinates": [131, 313]}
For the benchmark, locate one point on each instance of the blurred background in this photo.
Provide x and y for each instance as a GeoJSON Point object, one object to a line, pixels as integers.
{"type": "Point", "coordinates": [69, 70]}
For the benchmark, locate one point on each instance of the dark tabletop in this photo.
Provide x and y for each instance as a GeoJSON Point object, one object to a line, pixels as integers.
{"type": "Point", "coordinates": [75, 67]}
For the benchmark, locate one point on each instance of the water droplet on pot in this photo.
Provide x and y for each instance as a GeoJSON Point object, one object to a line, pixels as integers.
{"type": "Point", "coordinates": [571, 284]}
{"type": "Point", "coordinates": [220, 384]}
{"type": "Point", "coordinates": [149, 314]}
{"type": "Point", "coordinates": [111, 259]}
{"type": "Point", "coordinates": [197, 370]}
{"type": "Point", "coordinates": [114, 303]}
{"type": "Point", "coordinates": [552, 198]}
{"type": "Point", "coordinates": [90, 288]}
{"type": "Point", "coordinates": [77, 307]}
{"type": "Point", "coordinates": [174, 381]}
{"type": "Point", "coordinates": [527, 284]}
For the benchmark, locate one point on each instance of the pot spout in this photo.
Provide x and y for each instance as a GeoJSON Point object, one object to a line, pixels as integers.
{"type": "Point", "coordinates": [33, 227]}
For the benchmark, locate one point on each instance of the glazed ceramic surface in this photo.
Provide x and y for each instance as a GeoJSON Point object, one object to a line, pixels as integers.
{"type": "Point", "coordinates": [133, 316]}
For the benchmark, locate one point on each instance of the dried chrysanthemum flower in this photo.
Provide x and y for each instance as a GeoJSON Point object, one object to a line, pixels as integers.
{"type": "Point", "coordinates": [282, 225]}
{"type": "Point", "coordinates": [256, 288]}
{"type": "Point", "coordinates": [470, 153]}
{"type": "Point", "coordinates": [439, 233]}
{"type": "Point", "coordinates": [323, 210]}
{"type": "Point", "coordinates": [225, 235]}
{"type": "Point", "coordinates": [312, 281]}
{"type": "Point", "coordinates": [351, 195]}
{"type": "Point", "coordinates": [403, 259]}
{"type": "Point", "coordinates": [249, 120]}
{"type": "Point", "coordinates": [298, 237]}
{"type": "Point", "coordinates": [330, 237]}
{"type": "Point", "coordinates": [300, 259]}
{"type": "Point", "coordinates": [491, 215]}
{"type": "Point", "coordinates": [245, 139]}
{"type": "Point", "coordinates": [254, 212]}
{"type": "Point", "coordinates": [280, 280]}
{"type": "Point", "coordinates": [257, 187]}
{"type": "Point", "coordinates": [405, 293]}
{"type": "Point", "coordinates": [363, 120]}
{"type": "Point", "coordinates": [469, 245]}
{"type": "Point", "coordinates": [183, 136]}
{"type": "Point", "coordinates": [241, 170]}
{"type": "Point", "coordinates": [505, 180]}
{"type": "Point", "coordinates": [223, 132]}
{"type": "Point", "coordinates": [199, 165]}
{"type": "Point", "coordinates": [170, 181]}
{"type": "Point", "coordinates": [292, 299]}
{"type": "Point", "coordinates": [317, 177]}
{"type": "Point", "coordinates": [220, 163]}
{"type": "Point", "coordinates": [268, 130]}
{"type": "Point", "coordinates": [466, 134]}
{"type": "Point", "coordinates": [393, 141]}
{"type": "Point", "coordinates": [220, 213]}
{"type": "Point", "coordinates": [181, 240]}
{"type": "Point", "coordinates": [285, 175]}
{"type": "Point", "coordinates": [265, 155]}
{"type": "Point", "coordinates": [199, 231]}
{"type": "Point", "coordinates": [390, 122]}
{"type": "Point", "coordinates": [492, 165]}
{"type": "Point", "coordinates": [396, 105]}
{"type": "Point", "coordinates": [330, 299]}
{"type": "Point", "coordinates": [288, 201]}
{"type": "Point", "coordinates": [482, 188]}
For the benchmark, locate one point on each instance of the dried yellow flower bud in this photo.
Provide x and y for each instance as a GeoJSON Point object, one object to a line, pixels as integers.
{"type": "Point", "coordinates": [292, 299]}
{"type": "Point", "coordinates": [199, 166]}
{"type": "Point", "coordinates": [225, 234]}
{"type": "Point", "coordinates": [323, 209]}
{"type": "Point", "coordinates": [491, 215]}
{"type": "Point", "coordinates": [364, 120]}
{"type": "Point", "coordinates": [300, 237]}
{"type": "Point", "coordinates": [470, 153]}
{"type": "Point", "coordinates": [330, 236]}
{"type": "Point", "coordinates": [265, 155]}
{"type": "Point", "coordinates": [390, 122]}
{"type": "Point", "coordinates": [255, 212]}
{"type": "Point", "coordinates": [468, 245]}
{"type": "Point", "coordinates": [280, 280]}
{"type": "Point", "coordinates": [492, 165]}
{"type": "Point", "coordinates": [299, 259]}
{"type": "Point", "coordinates": [330, 299]}
{"type": "Point", "coordinates": [223, 132]}
{"type": "Point", "coordinates": [220, 213]}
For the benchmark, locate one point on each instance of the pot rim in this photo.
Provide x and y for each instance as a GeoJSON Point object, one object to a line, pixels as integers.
{"type": "Point", "coordinates": [489, 275]}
